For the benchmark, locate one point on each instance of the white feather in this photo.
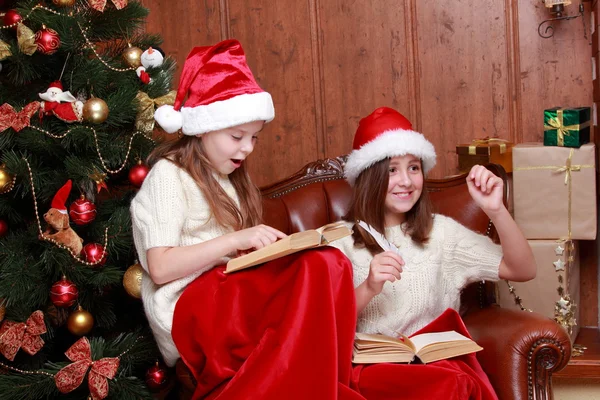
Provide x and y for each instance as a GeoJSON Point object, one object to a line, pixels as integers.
{"type": "Point", "coordinates": [385, 244]}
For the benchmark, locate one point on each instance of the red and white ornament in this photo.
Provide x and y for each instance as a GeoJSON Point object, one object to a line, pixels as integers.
{"type": "Point", "coordinates": [64, 293]}
{"type": "Point", "coordinates": [82, 211]}
{"type": "Point", "coordinates": [138, 173]}
{"type": "Point", "coordinates": [93, 253]}
{"type": "Point", "coordinates": [47, 40]}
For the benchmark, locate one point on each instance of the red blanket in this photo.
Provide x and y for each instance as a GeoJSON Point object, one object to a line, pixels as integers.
{"type": "Point", "coordinates": [459, 378]}
{"type": "Point", "coordinates": [285, 330]}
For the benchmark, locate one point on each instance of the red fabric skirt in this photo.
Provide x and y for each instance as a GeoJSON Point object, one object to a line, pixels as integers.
{"type": "Point", "coordinates": [283, 330]}
{"type": "Point", "coordinates": [459, 378]}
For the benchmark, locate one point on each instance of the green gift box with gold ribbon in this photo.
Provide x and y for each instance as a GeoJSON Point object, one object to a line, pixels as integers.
{"type": "Point", "coordinates": [567, 127]}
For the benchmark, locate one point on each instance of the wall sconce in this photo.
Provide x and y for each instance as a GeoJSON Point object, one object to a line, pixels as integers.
{"type": "Point", "coordinates": [557, 8]}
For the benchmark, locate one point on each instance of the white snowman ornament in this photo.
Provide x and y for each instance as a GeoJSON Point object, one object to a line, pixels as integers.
{"type": "Point", "coordinates": [151, 58]}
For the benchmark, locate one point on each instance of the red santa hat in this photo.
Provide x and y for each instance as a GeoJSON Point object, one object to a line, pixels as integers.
{"type": "Point", "coordinates": [60, 198]}
{"type": "Point", "coordinates": [221, 92]}
{"type": "Point", "coordinates": [56, 84]}
{"type": "Point", "coordinates": [386, 133]}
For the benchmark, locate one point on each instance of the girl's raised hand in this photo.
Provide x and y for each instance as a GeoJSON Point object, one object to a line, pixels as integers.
{"type": "Point", "coordinates": [485, 188]}
{"type": "Point", "coordinates": [386, 266]}
{"type": "Point", "coordinates": [256, 237]}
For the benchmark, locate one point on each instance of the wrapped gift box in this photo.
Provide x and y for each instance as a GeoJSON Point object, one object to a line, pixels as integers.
{"type": "Point", "coordinates": [555, 291]}
{"type": "Point", "coordinates": [485, 151]}
{"type": "Point", "coordinates": [567, 127]}
{"type": "Point", "coordinates": [554, 191]}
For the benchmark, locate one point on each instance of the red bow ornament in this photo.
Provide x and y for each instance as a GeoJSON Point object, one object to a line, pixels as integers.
{"type": "Point", "coordinates": [22, 335]}
{"type": "Point", "coordinates": [99, 5]}
{"type": "Point", "coordinates": [9, 118]}
{"type": "Point", "coordinates": [70, 377]}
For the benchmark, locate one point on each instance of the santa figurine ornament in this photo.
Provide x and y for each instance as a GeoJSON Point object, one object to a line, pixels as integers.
{"type": "Point", "coordinates": [150, 58]}
{"type": "Point", "coordinates": [63, 105]}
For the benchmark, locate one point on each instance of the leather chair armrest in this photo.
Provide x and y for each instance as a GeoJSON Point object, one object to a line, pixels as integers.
{"type": "Point", "coordinates": [521, 350]}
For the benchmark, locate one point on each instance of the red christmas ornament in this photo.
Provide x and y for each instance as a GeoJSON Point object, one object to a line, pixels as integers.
{"type": "Point", "coordinates": [93, 252]}
{"type": "Point", "coordinates": [82, 211]}
{"type": "Point", "coordinates": [3, 228]}
{"type": "Point", "coordinates": [64, 293]}
{"type": "Point", "coordinates": [156, 377]}
{"type": "Point", "coordinates": [12, 17]}
{"type": "Point", "coordinates": [138, 173]}
{"type": "Point", "coordinates": [47, 40]}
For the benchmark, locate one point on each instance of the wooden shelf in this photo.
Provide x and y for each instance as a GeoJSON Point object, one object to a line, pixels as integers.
{"type": "Point", "coordinates": [586, 366]}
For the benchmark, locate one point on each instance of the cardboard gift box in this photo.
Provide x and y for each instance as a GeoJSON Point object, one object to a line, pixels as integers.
{"type": "Point", "coordinates": [567, 127]}
{"type": "Point", "coordinates": [485, 151]}
{"type": "Point", "coordinates": [554, 191]}
{"type": "Point", "coordinates": [555, 291]}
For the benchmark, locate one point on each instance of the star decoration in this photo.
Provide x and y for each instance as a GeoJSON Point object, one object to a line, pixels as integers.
{"type": "Point", "coordinates": [559, 265]}
{"type": "Point", "coordinates": [563, 303]}
{"type": "Point", "coordinates": [559, 250]}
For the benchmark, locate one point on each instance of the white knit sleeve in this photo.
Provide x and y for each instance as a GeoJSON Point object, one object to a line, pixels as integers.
{"type": "Point", "coordinates": [468, 256]}
{"type": "Point", "coordinates": [158, 210]}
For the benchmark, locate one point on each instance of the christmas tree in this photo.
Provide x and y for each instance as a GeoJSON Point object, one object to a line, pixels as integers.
{"type": "Point", "coordinates": [79, 83]}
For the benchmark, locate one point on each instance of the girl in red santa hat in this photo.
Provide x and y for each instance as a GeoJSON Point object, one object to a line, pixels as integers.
{"type": "Point", "coordinates": [415, 285]}
{"type": "Point", "coordinates": [282, 330]}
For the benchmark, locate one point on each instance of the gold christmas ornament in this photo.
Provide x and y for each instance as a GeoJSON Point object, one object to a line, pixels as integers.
{"type": "Point", "coordinates": [7, 180]}
{"type": "Point", "coordinates": [80, 322]}
{"type": "Point", "coordinates": [95, 110]}
{"type": "Point", "coordinates": [63, 3]}
{"type": "Point", "coordinates": [132, 280]}
{"type": "Point", "coordinates": [133, 56]}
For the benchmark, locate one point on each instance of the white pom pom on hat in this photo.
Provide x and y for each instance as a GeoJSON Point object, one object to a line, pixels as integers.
{"type": "Point", "coordinates": [219, 91]}
{"type": "Point", "coordinates": [386, 133]}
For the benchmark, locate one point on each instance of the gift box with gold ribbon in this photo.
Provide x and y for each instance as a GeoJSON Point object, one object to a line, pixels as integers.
{"type": "Point", "coordinates": [485, 151]}
{"type": "Point", "coordinates": [555, 291]}
{"type": "Point", "coordinates": [554, 191]}
{"type": "Point", "coordinates": [567, 127]}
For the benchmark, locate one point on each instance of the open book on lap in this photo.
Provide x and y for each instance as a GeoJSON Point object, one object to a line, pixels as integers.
{"type": "Point", "coordinates": [291, 244]}
{"type": "Point", "coordinates": [426, 348]}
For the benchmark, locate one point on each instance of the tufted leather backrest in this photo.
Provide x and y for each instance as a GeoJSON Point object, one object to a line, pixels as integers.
{"type": "Point", "coordinates": [318, 194]}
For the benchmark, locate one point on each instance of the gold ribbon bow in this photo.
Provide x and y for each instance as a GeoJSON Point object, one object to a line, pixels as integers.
{"type": "Point", "coordinates": [558, 123]}
{"type": "Point", "coordinates": [4, 50]}
{"type": "Point", "coordinates": [477, 142]}
{"type": "Point", "coordinates": [144, 122]}
{"type": "Point", "coordinates": [26, 39]}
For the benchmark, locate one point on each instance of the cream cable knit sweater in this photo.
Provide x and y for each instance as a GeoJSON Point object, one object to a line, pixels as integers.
{"type": "Point", "coordinates": [170, 210]}
{"type": "Point", "coordinates": [432, 278]}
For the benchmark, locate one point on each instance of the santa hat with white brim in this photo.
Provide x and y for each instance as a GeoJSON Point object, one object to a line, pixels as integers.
{"type": "Point", "coordinates": [385, 133]}
{"type": "Point", "coordinates": [221, 92]}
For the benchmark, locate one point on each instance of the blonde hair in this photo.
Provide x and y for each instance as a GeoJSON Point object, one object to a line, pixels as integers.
{"type": "Point", "coordinates": [189, 154]}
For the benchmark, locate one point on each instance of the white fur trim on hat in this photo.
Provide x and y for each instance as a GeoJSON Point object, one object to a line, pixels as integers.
{"type": "Point", "coordinates": [390, 143]}
{"type": "Point", "coordinates": [168, 119]}
{"type": "Point", "coordinates": [227, 113]}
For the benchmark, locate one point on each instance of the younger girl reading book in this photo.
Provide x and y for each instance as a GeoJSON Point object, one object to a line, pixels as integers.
{"type": "Point", "coordinates": [402, 292]}
{"type": "Point", "coordinates": [248, 335]}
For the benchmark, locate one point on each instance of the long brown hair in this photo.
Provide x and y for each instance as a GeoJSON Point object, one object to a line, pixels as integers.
{"type": "Point", "coordinates": [188, 153]}
{"type": "Point", "coordinates": [368, 204]}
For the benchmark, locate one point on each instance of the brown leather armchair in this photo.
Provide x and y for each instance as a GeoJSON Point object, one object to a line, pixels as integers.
{"type": "Point", "coordinates": [521, 349]}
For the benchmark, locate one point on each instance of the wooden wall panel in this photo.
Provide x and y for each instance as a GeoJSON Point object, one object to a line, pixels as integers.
{"type": "Point", "coordinates": [463, 75]}
{"type": "Point", "coordinates": [277, 40]}
{"type": "Point", "coordinates": [365, 65]}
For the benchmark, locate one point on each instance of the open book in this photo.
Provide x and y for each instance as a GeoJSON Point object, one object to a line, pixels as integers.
{"type": "Point", "coordinates": [291, 244]}
{"type": "Point", "coordinates": [426, 347]}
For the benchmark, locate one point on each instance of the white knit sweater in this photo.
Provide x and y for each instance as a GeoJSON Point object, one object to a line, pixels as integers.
{"type": "Point", "coordinates": [432, 278]}
{"type": "Point", "coordinates": [170, 210]}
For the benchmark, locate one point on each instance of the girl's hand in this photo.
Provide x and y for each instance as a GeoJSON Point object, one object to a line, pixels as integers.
{"type": "Point", "coordinates": [486, 189]}
{"type": "Point", "coordinates": [256, 237]}
{"type": "Point", "coordinates": [386, 266]}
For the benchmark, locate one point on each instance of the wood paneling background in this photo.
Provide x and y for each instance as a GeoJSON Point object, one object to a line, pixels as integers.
{"type": "Point", "coordinates": [458, 70]}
